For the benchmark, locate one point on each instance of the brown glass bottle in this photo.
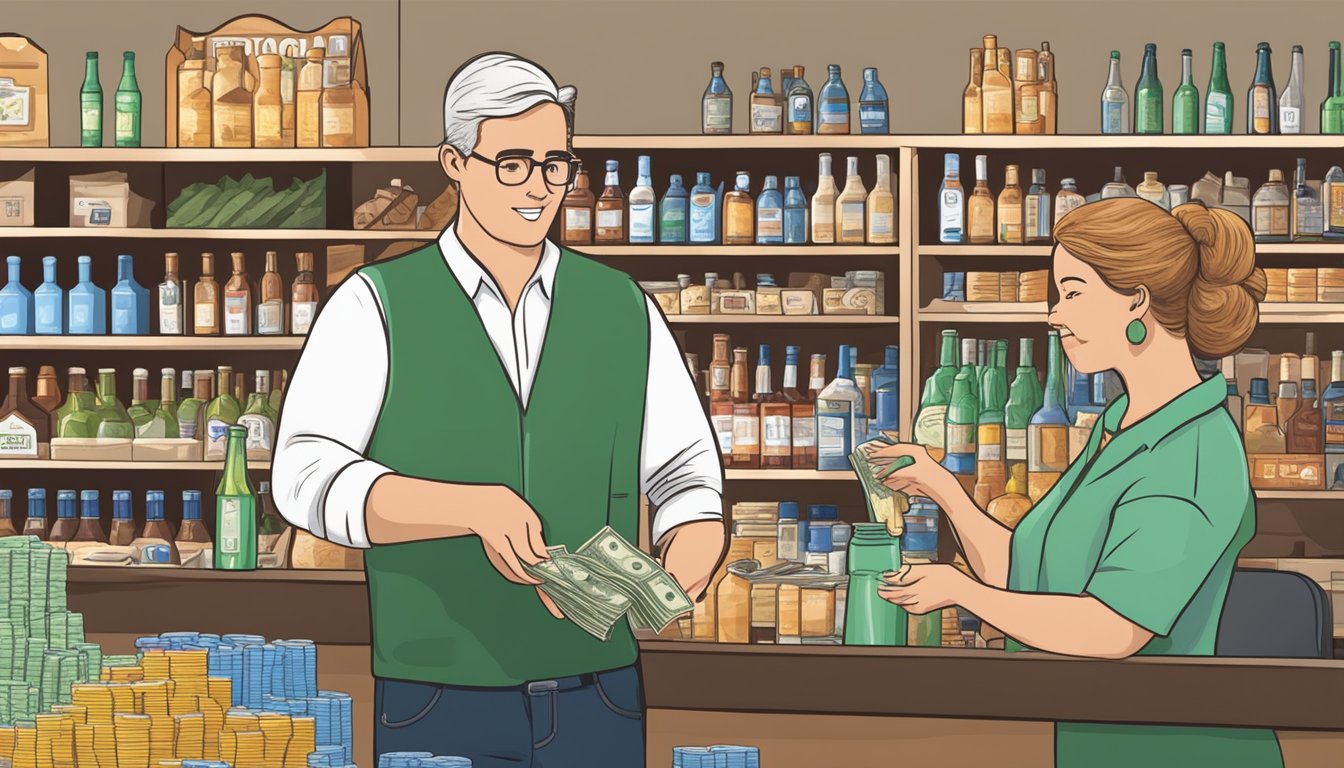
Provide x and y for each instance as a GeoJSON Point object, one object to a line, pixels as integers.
{"type": "Point", "coordinates": [776, 417]}
{"type": "Point", "coordinates": [611, 228]}
{"type": "Point", "coordinates": [803, 431]}
{"type": "Point", "coordinates": [67, 523]}
{"type": "Point", "coordinates": [271, 306]}
{"type": "Point", "coordinates": [1306, 428]}
{"type": "Point", "coordinates": [48, 396]}
{"type": "Point", "coordinates": [303, 296]}
{"type": "Point", "coordinates": [192, 537]}
{"type": "Point", "coordinates": [206, 299]}
{"type": "Point", "coordinates": [721, 398]}
{"type": "Point", "coordinates": [35, 524]}
{"type": "Point", "coordinates": [25, 427]}
{"type": "Point", "coordinates": [577, 212]}
{"type": "Point", "coordinates": [238, 299]}
{"type": "Point", "coordinates": [90, 526]}
{"type": "Point", "coordinates": [746, 416]}
{"type": "Point", "coordinates": [157, 530]}
{"type": "Point", "coordinates": [7, 514]}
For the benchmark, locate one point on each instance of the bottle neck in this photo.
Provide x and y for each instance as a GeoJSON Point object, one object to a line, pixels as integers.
{"type": "Point", "coordinates": [1337, 72]}
{"type": "Point", "coordinates": [948, 355]}
{"type": "Point", "coordinates": [84, 268]}
{"type": "Point", "coordinates": [1187, 70]}
{"type": "Point", "coordinates": [91, 72]}
{"type": "Point", "coordinates": [1218, 78]}
{"type": "Point", "coordinates": [49, 271]}
{"type": "Point", "coordinates": [1113, 79]}
{"type": "Point", "coordinates": [1149, 66]}
{"type": "Point", "coordinates": [891, 358]}
{"type": "Point", "coordinates": [1263, 74]}
{"type": "Point", "coordinates": [1054, 376]}
{"type": "Point", "coordinates": [107, 385]}
{"type": "Point", "coordinates": [18, 390]}
{"type": "Point", "coordinates": [235, 463]}
{"type": "Point", "coordinates": [1025, 351]}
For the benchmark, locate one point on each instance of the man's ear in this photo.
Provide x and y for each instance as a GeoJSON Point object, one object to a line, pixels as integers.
{"type": "Point", "coordinates": [453, 162]}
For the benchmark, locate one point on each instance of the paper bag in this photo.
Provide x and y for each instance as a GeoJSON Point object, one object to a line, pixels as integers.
{"type": "Point", "coordinates": [24, 120]}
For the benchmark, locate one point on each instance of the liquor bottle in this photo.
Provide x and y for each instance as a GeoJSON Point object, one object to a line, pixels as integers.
{"type": "Point", "coordinates": [1148, 98]}
{"type": "Point", "coordinates": [816, 380]}
{"type": "Point", "coordinates": [123, 523]}
{"type": "Point", "coordinates": [16, 303]}
{"type": "Point", "coordinates": [48, 396]}
{"type": "Point", "coordinates": [1269, 210]}
{"type": "Point", "coordinates": [776, 415]}
{"type": "Point", "coordinates": [271, 300]}
{"type": "Point", "coordinates": [170, 298]}
{"type": "Point", "coordinates": [767, 114]}
{"type": "Point", "coordinates": [338, 98]}
{"type": "Point", "coordinates": [611, 209]}
{"type": "Point", "coordinates": [268, 103]}
{"type": "Point", "coordinates": [1263, 431]}
{"type": "Point", "coordinates": [78, 416]}
{"type": "Point", "coordinates": [672, 212]}
{"type": "Point", "coordinates": [113, 421]}
{"type": "Point", "coordinates": [1332, 107]}
{"type": "Point", "coordinates": [25, 428]}
{"type": "Point", "coordinates": [873, 111]}
{"type": "Point", "coordinates": [1261, 115]}
{"type": "Point", "coordinates": [307, 99]}
{"type": "Point", "coordinates": [1311, 364]}
{"type": "Point", "coordinates": [1153, 191]}
{"type": "Point", "coordinates": [1332, 200]}
{"type": "Point", "coordinates": [1332, 408]}
{"type": "Point", "coordinates": [720, 371]}
{"type": "Point", "coordinates": [141, 409]}
{"type": "Point", "coordinates": [746, 427]}
{"type": "Point", "coordinates": [127, 104]}
{"type": "Point", "coordinates": [886, 380]}
{"type": "Point", "coordinates": [1117, 187]}
{"type": "Point", "coordinates": [996, 92]}
{"type": "Point", "coordinates": [1218, 101]}
{"type": "Point", "coordinates": [803, 427]}
{"type": "Point", "coordinates": [833, 105]}
{"type": "Point", "coordinates": [1048, 430]}
{"type": "Point", "coordinates": [162, 420]}
{"type": "Point", "coordinates": [259, 421]}
{"type": "Point", "coordinates": [739, 213]}
{"type": "Point", "coordinates": [90, 526]}
{"type": "Point", "coordinates": [1025, 397]}
{"type": "Point", "coordinates": [991, 470]}
{"type": "Point", "coordinates": [1306, 426]}
{"type": "Point", "coordinates": [1027, 89]}
{"type": "Point", "coordinates": [881, 206]}
{"type": "Point", "coordinates": [193, 536]}
{"type": "Point", "coordinates": [785, 83]}
{"type": "Point", "coordinates": [231, 105]}
{"type": "Point", "coordinates": [1049, 95]}
{"type": "Point", "coordinates": [130, 301]}
{"type": "Point", "coordinates": [156, 538]}
{"type": "Point", "coordinates": [769, 213]}
{"type": "Point", "coordinates": [194, 103]}
{"type": "Point", "coordinates": [838, 408]}
{"type": "Point", "coordinates": [206, 299]}
{"type": "Point", "coordinates": [67, 521]}
{"type": "Point", "coordinates": [1308, 211]}
{"type": "Point", "coordinates": [963, 412]}
{"type": "Point", "coordinates": [1037, 210]}
{"type": "Point", "coordinates": [931, 422]}
{"type": "Point", "coordinates": [849, 206]}
{"type": "Point", "coordinates": [643, 204]}
{"type": "Point", "coordinates": [1289, 398]}
{"type": "Point", "coordinates": [238, 299]}
{"type": "Point", "coordinates": [271, 528]}
{"type": "Point", "coordinates": [35, 524]}
{"type": "Point", "coordinates": [91, 104]}
{"type": "Point", "coordinates": [1290, 102]}
{"type": "Point", "coordinates": [221, 413]}
{"type": "Point", "coordinates": [578, 212]}
{"type": "Point", "coordinates": [1236, 407]}
{"type": "Point", "coordinates": [795, 211]}
{"type": "Point", "coordinates": [189, 411]}
{"type": "Point", "coordinates": [951, 201]}
{"type": "Point", "coordinates": [703, 211]}
{"type": "Point", "coordinates": [87, 313]}
{"type": "Point", "coordinates": [7, 514]}
{"type": "Point", "coordinates": [1010, 209]}
{"type": "Point", "coordinates": [303, 296]}
{"type": "Point", "coordinates": [863, 379]}
{"type": "Point", "coordinates": [1185, 101]}
{"type": "Point", "coordinates": [972, 100]}
{"type": "Point", "coordinates": [716, 107]}
{"type": "Point", "coordinates": [49, 302]}
{"type": "Point", "coordinates": [980, 206]}
{"type": "Point", "coordinates": [1114, 100]}
{"type": "Point", "coordinates": [823, 203]}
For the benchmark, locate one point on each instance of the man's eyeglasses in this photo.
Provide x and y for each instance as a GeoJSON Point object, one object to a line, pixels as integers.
{"type": "Point", "coordinates": [515, 170]}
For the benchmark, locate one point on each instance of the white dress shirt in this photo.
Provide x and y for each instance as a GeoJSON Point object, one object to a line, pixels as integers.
{"type": "Point", "coordinates": [320, 476]}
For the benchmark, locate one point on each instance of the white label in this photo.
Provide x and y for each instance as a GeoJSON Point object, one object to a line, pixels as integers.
{"type": "Point", "coordinates": [205, 315]}
{"type": "Point", "coordinates": [17, 437]}
{"type": "Point", "coordinates": [230, 526]}
{"type": "Point", "coordinates": [91, 118]}
{"type": "Point", "coordinates": [1290, 120]}
{"type": "Point", "coordinates": [719, 112]}
{"type": "Point", "coordinates": [883, 223]}
{"type": "Point", "coordinates": [1215, 112]}
{"type": "Point", "coordinates": [578, 218]}
{"type": "Point", "coordinates": [609, 219]}
{"type": "Point", "coordinates": [125, 124]}
{"type": "Point", "coordinates": [990, 452]}
{"type": "Point", "coordinates": [216, 439]}
{"type": "Point", "coordinates": [302, 319]}
{"type": "Point", "coordinates": [723, 427]}
{"type": "Point", "coordinates": [270, 317]}
{"type": "Point", "coordinates": [81, 314]}
{"type": "Point", "coordinates": [746, 431]}
{"type": "Point", "coordinates": [851, 220]}
{"type": "Point", "coordinates": [718, 378]}
{"type": "Point", "coordinates": [260, 432]}
{"type": "Point", "coordinates": [770, 222]}
{"type": "Point", "coordinates": [777, 431]}
{"type": "Point", "coordinates": [953, 212]}
{"type": "Point", "coordinates": [641, 221]}
{"type": "Point", "coordinates": [831, 434]}
{"type": "Point", "coordinates": [46, 312]}
{"type": "Point", "coordinates": [766, 118]}
{"type": "Point", "coordinates": [805, 432]}
{"type": "Point", "coordinates": [235, 315]}
{"type": "Point", "coordinates": [170, 309]}
{"type": "Point", "coordinates": [1017, 444]}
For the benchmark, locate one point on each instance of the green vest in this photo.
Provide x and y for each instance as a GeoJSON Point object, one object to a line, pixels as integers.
{"type": "Point", "coordinates": [440, 612]}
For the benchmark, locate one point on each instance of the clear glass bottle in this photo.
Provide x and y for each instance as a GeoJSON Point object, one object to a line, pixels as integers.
{"type": "Point", "coordinates": [1308, 211]}
{"type": "Point", "coordinates": [799, 105]}
{"type": "Point", "coordinates": [833, 104]}
{"type": "Point", "coordinates": [1153, 191]}
{"type": "Point", "coordinates": [643, 204]}
{"type": "Point", "coordinates": [849, 206]}
{"type": "Point", "coordinates": [1114, 100]}
{"type": "Point", "coordinates": [1067, 198]}
{"type": "Point", "coordinates": [767, 113]}
{"type": "Point", "coordinates": [716, 107]}
{"type": "Point", "coordinates": [1269, 210]}
{"type": "Point", "coordinates": [839, 408]}
{"type": "Point", "coordinates": [739, 213]}
{"type": "Point", "coordinates": [672, 212]}
{"type": "Point", "coordinates": [1148, 99]}
{"type": "Point", "coordinates": [611, 209]}
{"type": "Point", "coordinates": [951, 202]}
{"type": "Point", "coordinates": [1049, 95]}
{"type": "Point", "coordinates": [873, 110]}
{"type": "Point", "coordinates": [1218, 101]}
{"type": "Point", "coordinates": [1291, 100]}
{"type": "Point", "coordinates": [49, 302]}
{"type": "Point", "coordinates": [1117, 186]}
{"type": "Point", "coordinates": [980, 205]}
{"type": "Point", "coordinates": [770, 213]}
{"type": "Point", "coordinates": [881, 206]}
{"type": "Point", "coordinates": [823, 203]}
{"type": "Point", "coordinates": [130, 301]}
{"type": "Point", "coordinates": [577, 210]}
{"type": "Point", "coordinates": [1037, 209]}
{"type": "Point", "coordinates": [1262, 115]}
{"type": "Point", "coordinates": [795, 211]}
{"type": "Point", "coordinates": [171, 291]}
{"type": "Point", "coordinates": [1010, 209]}
{"type": "Point", "coordinates": [1185, 101]}
{"type": "Point", "coordinates": [703, 211]}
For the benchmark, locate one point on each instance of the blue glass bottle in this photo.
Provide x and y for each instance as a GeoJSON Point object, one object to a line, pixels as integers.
{"type": "Point", "coordinates": [770, 213]}
{"type": "Point", "coordinates": [49, 301]}
{"type": "Point", "coordinates": [703, 215]}
{"type": "Point", "coordinates": [16, 304]}
{"type": "Point", "coordinates": [873, 110]}
{"type": "Point", "coordinates": [130, 301]}
{"type": "Point", "coordinates": [833, 104]}
{"type": "Point", "coordinates": [795, 211]}
{"type": "Point", "coordinates": [87, 304]}
{"type": "Point", "coordinates": [886, 395]}
{"type": "Point", "coordinates": [672, 212]}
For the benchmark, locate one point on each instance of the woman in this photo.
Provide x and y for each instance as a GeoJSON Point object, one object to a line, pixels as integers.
{"type": "Point", "coordinates": [1132, 550]}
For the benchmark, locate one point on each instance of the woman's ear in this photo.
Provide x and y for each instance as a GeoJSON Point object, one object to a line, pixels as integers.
{"type": "Point", "coordinates": [1139, 303]}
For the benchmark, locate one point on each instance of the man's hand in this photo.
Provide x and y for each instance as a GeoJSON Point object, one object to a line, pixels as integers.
{"type": "Point", "coordinates": [510, 534]}
{"type": "Point", "coordinates": [691, 552]}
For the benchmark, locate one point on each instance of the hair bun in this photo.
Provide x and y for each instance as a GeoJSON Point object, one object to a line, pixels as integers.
{"type": "Point", "coordinates": [1198, 221]}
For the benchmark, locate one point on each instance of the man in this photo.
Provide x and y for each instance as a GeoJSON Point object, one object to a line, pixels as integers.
{"type": "Point", "coordinates": [458, 409]}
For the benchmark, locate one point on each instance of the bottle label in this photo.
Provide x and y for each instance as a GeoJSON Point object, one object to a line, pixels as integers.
{"type": "Point", "coordinates": [834, 433]}
{"type": "Point", "coordinates": [123, 313]}
{"type": "Point", "coordinates": [1030, 111]}
{"type": "Point", "coordinates": [1260, 107]}
{"type": "Point", "coordinates": [952, 213]}
{"type": "Point", "coordinates": [1065, 203]}
{"type": "Point", "coordinates": [260, 432]}
{"type": "Point", "coordinates": [205, 315]}
{"type": "Point", "coordinates": [235, 314]}
{"type": "Point", "coordinates": [1010, 224]}
{"type": "Point", "coordinates": [610, 218]}
{"type": "Point", "coordinates": [746, 432]}
{"type": "Point", "coordinates": [1271, 220]}
{"type": "Point", "coordinates": [1336, 202]}
{"type": "Point", "coordinates": [268, 121]}
{"type": "Point", "coordinates": [125, 125]}
{"type": "Point", "coordinates": [302, 320]}
{"type": "Point", "coordinates": [1047, 448]}
{"type": "Point", "coordinates": [960, 438]}
{"type": "Point", "coordinates": [46, 315]}
{"type": "Point", "coordinates": [930, 426]}
{"type": "Point", "coordinates": [186, 428]}
{"type": "Point", "coordinates": [770, 222]}
{"type": "Point", "coordinates": [1032, 212]}
{"type": "Point", "coordinates": [718, 114]}
{"type": "Point", "coordinates": [989, 442]}
{"type": "Point", "coordinates": [833, 111]}
{"type": "Point", "coordinates": [998, 110]}
{"type": "Point", "coordinates": [981, 223]}
{"type": "Point", "coordinates": [1112, 117]}
{"type": "Point", "coordinates": [217, 429]}
{"type": "Point", "coordinates": [91, 118]}
{"type": "Point", "coordinates": [230, 525]}
{"type": "Point", "coordinates": [271, 317]}
{"type": "Point", "coordinates": [170, 309]}
{"type": "Point", "coordinates": [1290, 120]}
{"type": "Point", "coordinates": [17, 437]}
{"type": "Point", "coordinates": [81, 314]}
{"type": "Point", "coordinates": [778, 432]}
{"type": "Point", "coordinates": [718, 378]}
{"type": "Point", "coordinates": [723, 428]}
{"type": "Point", "coordinates": [641, 222]}
{"type": "Point", "coordinates": [702, 219]}
{"type": "Point", "coordinates": [1215, 113]}
{"type": "Point", "coordinates": [578, 219]}
{"type": "Point", "coordinates": [766, 118]}
{"type": "Point", "coordinates": [873, 117]}
{"type": "Point", "coordinates": [805, 431]}
{"type": "Point", "coordinates": [851, 221]}
{"type": "Point", "coordinates": [823, 223]}
{"type": "Point", "coordinates": [886, 407]}
{"type": "Point", "coordinates": [800, 110]}
{"type": "Point", "coordinates": [882, 225]}
{"type": "Point", "coordinates": [795, 223]}
{"type": "Point", "coordinates": [1016, 444]}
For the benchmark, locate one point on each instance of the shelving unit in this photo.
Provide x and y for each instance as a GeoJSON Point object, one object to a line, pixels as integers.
{"type": "Point", "coordinates": [152, 343]}
{"type": "Point", "coordinates": [182, 233]}
{"type": "Point", "coordinates": [124, 466]}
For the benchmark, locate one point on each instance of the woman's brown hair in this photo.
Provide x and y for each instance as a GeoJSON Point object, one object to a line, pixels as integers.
{"type": "Point", "coordinates": [1197, 263]}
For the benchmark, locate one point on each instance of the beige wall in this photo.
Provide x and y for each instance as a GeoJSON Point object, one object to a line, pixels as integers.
{"type": "Point", "coordinates": [641, 65]}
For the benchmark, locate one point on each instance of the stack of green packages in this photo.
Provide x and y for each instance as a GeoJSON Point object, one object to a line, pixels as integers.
{"type": "Point", "coordinates": [251, 203]}
{"type": "Point", "coordinates": [884, 505]}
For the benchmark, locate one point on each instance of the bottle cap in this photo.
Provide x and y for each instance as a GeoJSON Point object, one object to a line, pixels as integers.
{"type": "Point", "coordinates": [612, 166]}
{"type": "Point", "coordinates": [676, 179]}
{"type": "Point", "coordinates": [791, 353]}
{"type": "Point", "coordinates": [791, 181]}
{"type": "Point", "coordinates": [1260, 390]}
{"type": "Point", "coordinates": [763, 355]}
{"type": "Point", "coordinates": [37, 494]}
{"type": "Point", "coordinates": [6, 494]}
{"type": "Point", "coordinates": [819, 539]}
{"type": "Point", "coordinates": [788, 510]}
{"type": "Point", "coordinates": [951, 162]}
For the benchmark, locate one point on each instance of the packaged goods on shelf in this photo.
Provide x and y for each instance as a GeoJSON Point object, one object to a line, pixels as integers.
{"type": "Point", "coordinates": [106, 200]}
{"type": "Point", "coordinates": [24, 115]}
{"type": "Point", "coordinates": [251, 203]}
{"type": "Point", "coordinates": [1026, 287]}
{"type": "Point", "coordinates": [858, 292]}
{"type": "Point", "coordinates": [392, 207]}
{"type": "Point", "coordinates": [17, 200]}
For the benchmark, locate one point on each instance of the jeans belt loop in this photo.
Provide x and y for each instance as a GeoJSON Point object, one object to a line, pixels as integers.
{"type": "Point", "coordinates": [542, 686]}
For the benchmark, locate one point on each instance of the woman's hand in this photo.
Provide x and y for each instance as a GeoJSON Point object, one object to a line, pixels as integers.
{"type": "Point", "coordinates": [925, 477]}
{"type": "Point", "coordinates": [920, 589]}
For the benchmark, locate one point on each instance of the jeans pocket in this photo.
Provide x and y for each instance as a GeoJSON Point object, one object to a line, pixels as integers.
{"type": "Point", "coordinates": [405, 703]}
{"type": "Point", "coordinates": [627, 692]}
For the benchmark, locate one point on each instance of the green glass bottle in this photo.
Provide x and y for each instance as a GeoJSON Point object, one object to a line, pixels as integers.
{"type": "Point", "coordinates": [991, 474]}
{"type": "Point", "coordinates": [930, 424]}
{"type": "Point", "coordinates": [91, 104]}
{"type": "Point", "coordinates": [1148, 95]}
{"type": "Point", "coordinates": [162, 421]}
{"type": "Point", "coordinates": [963, 412]}
{"type": "Point", "coordinates": [78, 415]}
{"type": "Point", "coordinates": [221, 413]}
{"type": "Point", "coordinates": [259, 420]}
{"type": "Point", "coordinates": [1332, 109]}
{"type": "Point", "coordinates": [128, 104]}
{"type": "Point", "coordinates": [235, 509]}
{"type": "Point", "coordinates": [870, 620]}
{"type": "Point", "coordinates": [141, 409]}
{"type": "Point", "coordinates": [1218, 99]}
{"type": "Point", "coordinates": [1185, 102]}
{"type": "Point", "coordinates": [114, 422]}
{"type": "Point", "coordinates": [1024, 399]}
{"type": "Point", "coordinates": [1048, 430]}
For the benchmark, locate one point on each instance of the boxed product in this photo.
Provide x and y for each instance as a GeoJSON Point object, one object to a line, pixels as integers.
{"type": "Point", "coordinates": [1287, 471]}
{"type": "Point", "coordinates": [24, 120]}
{"type": "Point", "coordinates": [666, 294]}
{"type": "Point", "coordinates": [392, 207]}
{"type": "Point", "coordinates": [105, 200]}
{"type": "Point", "coordinates": [91, 449]}
{"type": "Point", "coordinates": [16, 201]}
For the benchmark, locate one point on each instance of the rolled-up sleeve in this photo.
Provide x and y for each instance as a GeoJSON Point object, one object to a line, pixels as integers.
{"type": "Point", "coordinates": [320, 476]}
{"type": "Point", "coordinates": [681, 471]}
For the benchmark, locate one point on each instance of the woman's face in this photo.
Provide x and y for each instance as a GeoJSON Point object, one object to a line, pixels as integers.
{"type": "Point", "coordinates": [1090, 316]}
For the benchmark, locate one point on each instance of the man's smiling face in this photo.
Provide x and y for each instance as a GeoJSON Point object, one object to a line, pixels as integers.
{"type": "Point", "coordinates": [520, 215]}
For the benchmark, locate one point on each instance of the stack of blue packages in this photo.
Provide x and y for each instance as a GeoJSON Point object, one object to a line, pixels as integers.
{"type": "Point", "coordinates": [330, 756]}
{"type": "Point", "coordinates": [718, 756]}
{"type": "Point", "coordinates": [204, 764]}
{"type": "Point", "coordinates": [420, 760]}
{"type": "Point", "coordinates": [738, 757]}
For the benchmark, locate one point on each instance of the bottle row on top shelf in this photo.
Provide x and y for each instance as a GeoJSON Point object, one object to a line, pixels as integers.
{"type": "Point", "coordinates": [792, 109]}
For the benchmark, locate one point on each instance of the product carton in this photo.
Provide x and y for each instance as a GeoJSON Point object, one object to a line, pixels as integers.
{"type": "Point", "coordinates": [24, 120]}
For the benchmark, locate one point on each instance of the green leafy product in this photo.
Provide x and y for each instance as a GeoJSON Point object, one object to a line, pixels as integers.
{"type": "Point", "coordinates": [78, 415]}
{"type": "Point", "coordinates": [931, 421]}
{"type": "Point", "coordinates": [1024, 398]}
{"type": "Point", "coordinates": [235, 509]}
{"type": "Point", "coordinates": [114, 422]}
{"type": "Point", "coordinates": [221, 413]}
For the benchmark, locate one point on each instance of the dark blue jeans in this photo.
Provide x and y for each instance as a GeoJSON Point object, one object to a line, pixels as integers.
{"type": "Point", "coordinates": [591, 720]}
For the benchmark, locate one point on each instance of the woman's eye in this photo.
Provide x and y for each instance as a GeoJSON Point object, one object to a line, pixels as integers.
{"type": "Point", "coordinates": [1070, 294]}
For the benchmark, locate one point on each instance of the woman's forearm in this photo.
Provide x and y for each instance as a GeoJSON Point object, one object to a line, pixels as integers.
{"type": "Point", "coordinates": [986, 541]}
{"type": "Point", "coordinates": [1065, 624]}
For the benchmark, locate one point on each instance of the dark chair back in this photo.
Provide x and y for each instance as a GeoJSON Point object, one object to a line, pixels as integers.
{"type": "Point", "coordinates": [1275, 614]}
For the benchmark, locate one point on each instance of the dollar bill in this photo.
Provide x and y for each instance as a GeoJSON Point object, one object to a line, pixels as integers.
{"type": "Point", "coordinates": [884, 505]}
{"type": "Point", "coordinates": [657, 597]}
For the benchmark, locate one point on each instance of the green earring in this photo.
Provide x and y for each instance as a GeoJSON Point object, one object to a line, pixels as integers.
{"type": "Point", "coordinates": [1136, 332]}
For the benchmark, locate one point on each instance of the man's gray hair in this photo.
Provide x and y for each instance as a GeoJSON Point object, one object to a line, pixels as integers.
{"type": "Point", "coordinates": [497, 85]}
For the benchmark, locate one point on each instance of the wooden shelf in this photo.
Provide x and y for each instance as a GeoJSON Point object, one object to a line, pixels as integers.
{"type": "Point", "coordinates": [1299, 249]}
{"type": "Point", "coordinates": [182, 233]}
{"type": "Point", "coordinates": [740, 141]}
{"type": "Point", "coordinates": [154, 343]}
{"type": "Point", "coordinates": [123, 466]}
{"type": "Point", "coordinates": [783, 319]}
{"type": "Point", "coordinates": [94, 574]}
{"type": "Point", "coordinates": [1092, 142]}
{"type": "Point", "coordinates": [212, 155]}
{"type": "Point", "coordinates": [939, 311]}
{"type": "Point", "coordinates": [787, 474]}
{"type": "Point", "coordinates": [1300, 495]}
{"type": "Point", "coordinates": [737, 250]}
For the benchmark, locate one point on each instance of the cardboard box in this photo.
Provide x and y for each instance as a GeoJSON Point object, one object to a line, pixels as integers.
{"type": "Point", "coordinates": [798, 301]}
{"type": "Point", "coordinates": [106, 200]}
{"type": "Point", "coordinates": [17, 199]}
{"type": "Point", "coordinates": [166, 449]}
{"type": "Point", "coordinates": [1287, 471]}
{"type": "Point", "coordinates": [24, 116]}
{"type": "Point", "coordinates": [91, 449]}
{"type": "Point", "coordinates": [695, 300]}
{"type": "Point", "coordinates": [736, 302]}
{"type": "Point", "coordinates": [768, 301]}
{"type": "Point", "coordinates": [852, 301]}
{"type": "Point", "coordinates": [666, 294]}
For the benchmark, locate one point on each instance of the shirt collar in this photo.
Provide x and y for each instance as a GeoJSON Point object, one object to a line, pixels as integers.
{"type": "Point", "coordinates": [472, 276]}
{"type": "Point", "coordinates": [1196, 401]}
